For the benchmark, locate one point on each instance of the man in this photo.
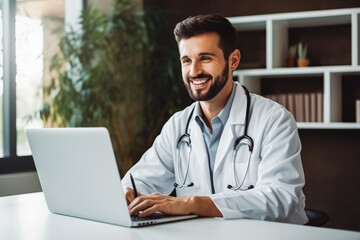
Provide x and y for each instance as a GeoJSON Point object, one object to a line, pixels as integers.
{"type": "Point", "coordinates": [215, 172]}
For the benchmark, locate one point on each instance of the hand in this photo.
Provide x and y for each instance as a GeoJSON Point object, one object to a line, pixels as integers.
{"type": "Point", "coordinates": [129, 195]}
{"type": "Point", "coordinates": [147, 204]}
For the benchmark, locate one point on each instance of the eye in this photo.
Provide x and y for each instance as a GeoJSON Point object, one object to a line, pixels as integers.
{"type": "Point", "coordinates": [185, 61]}
{"type": "Point", "coordinates": [205, 58]}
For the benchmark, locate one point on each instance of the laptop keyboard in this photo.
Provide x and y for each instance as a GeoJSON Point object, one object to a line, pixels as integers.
{"type": "Point", "coordinates": [150, 217]}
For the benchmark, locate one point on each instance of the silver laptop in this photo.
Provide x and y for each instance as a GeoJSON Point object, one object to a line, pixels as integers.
{"type": "Point", "coordinates": [79, 176]}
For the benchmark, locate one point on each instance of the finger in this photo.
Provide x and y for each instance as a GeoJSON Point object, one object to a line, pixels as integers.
{"type": "Point", "coordinates": [149, 211]}
{"type": "Point", "coordinates": [136, 202]}
{"type": "Point", "coordinates": [129, 195]}
{"type": "Point", "coordinates": [156, 194]}
{"type": "Point", "coordinates": [165, 205]}
{"type": "Point", "coordinates": [142, 197]}
{"type": "Point", "coordinates": [145, 201]}
{"type": "Point", "coordinates": [142, 204]}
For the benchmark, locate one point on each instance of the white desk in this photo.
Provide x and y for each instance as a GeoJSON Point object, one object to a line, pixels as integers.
{"type": "Point", "coordinates": [27, 217]}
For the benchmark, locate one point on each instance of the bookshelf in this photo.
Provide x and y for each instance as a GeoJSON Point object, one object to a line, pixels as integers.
{"type": "Point", "coordinates": [332, 37]}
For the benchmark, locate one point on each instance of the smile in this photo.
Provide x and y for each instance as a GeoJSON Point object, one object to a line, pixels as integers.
{"type": "Point", "coordinates": [198, 82]}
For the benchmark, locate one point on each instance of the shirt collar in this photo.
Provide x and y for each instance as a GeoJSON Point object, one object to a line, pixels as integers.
{"type": "Point", "coordinates": [223, 115]}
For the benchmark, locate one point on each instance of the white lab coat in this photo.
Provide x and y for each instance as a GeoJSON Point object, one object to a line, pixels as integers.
{"type": "Point", "coordinates": [275, 168]}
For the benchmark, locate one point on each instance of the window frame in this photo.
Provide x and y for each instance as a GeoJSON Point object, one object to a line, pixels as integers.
{"type": "Point", "coordinates": [11, 162]}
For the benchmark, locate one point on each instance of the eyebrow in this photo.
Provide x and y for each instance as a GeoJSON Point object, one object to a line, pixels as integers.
{"type": "Point", "coordinates": [201, 54]}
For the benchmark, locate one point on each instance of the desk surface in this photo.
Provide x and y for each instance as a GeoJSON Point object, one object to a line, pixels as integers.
{"type": "Point", "coordinates": [27, 217]}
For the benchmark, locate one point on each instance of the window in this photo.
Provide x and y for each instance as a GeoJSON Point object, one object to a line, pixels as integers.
{"type": "Point", "coordinates": [29, 31]}
{"type": "Point", "coordinates": [27, 43]}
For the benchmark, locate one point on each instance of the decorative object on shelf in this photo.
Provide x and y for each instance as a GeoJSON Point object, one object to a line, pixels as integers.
{"type": "Point", "coordinates": [290, 60]}
{"type": "Point", "coordinates": [302, 52]}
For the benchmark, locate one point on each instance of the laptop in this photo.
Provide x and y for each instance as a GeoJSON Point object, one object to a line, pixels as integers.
{"type": "Point", "coordinates": [79, 176]}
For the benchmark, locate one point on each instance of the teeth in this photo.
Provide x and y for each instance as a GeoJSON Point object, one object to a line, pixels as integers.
{"type": "Point", "coordinates": [199, 82]}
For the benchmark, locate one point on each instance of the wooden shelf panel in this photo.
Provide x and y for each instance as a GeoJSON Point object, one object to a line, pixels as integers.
{"type": "Point", "coordinates": [333, 125]}
{"type": "Point", "coordinates": [297, 71]}
{"type": "Point", "coordinates": [332, 37]}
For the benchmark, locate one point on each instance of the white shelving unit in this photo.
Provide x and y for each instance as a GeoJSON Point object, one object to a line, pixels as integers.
{"type": "Point", "coordinates": [275, 29]}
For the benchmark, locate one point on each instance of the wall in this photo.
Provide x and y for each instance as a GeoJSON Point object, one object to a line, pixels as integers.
{"type": "Point", "coordinates": [185, 8]}
{"type": "Point", "coordinates": [19, 183]}
{"type": "Point", "coordinates": [331, 164]}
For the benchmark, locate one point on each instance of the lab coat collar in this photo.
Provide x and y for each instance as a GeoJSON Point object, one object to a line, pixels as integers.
{"type": "Point", "coordinates": [238, 108]}
{"type": "Point", "coordinates": [232, 127]}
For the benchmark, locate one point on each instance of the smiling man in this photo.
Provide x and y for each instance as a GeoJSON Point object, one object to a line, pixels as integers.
{"type": "Point", "coordinates": [230, 154]}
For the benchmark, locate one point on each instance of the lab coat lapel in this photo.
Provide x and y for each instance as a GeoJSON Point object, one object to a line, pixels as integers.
{"type": "Point", "coordinates": [232, 126]}
{"type": "Point", "coordinates": [199, 155]}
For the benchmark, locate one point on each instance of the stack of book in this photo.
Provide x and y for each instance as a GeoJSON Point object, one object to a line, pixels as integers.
{"type": "Point", "coordinates": [357, 110]}
{"type": "Point", "coordinates": [305, 107]}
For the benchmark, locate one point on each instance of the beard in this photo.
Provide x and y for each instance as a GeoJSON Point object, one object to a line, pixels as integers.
{"type": "Point", "coordinates": [215, 88]}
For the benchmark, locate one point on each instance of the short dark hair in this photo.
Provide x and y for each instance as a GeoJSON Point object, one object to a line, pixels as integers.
{"type": "Point", "coordinates": [200, 24]}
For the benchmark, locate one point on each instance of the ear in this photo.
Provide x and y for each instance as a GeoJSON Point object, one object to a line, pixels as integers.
{"type": "Point", "coordinates": [234, 59]}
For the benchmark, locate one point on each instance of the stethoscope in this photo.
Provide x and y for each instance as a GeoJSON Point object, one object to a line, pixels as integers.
{"type": "Point", "coordinates": [244, 139]}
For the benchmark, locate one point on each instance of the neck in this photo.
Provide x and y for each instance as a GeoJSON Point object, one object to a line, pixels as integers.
{"type": "Point", "coordinates": [213, 107]}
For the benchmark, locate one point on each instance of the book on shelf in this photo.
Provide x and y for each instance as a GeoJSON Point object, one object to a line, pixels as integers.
{"type": "Point", "coordinates": [357, 110]}
{"type": "Point", "coordinates": [291, 104]}
{"type": "Point", "coordinates": [320, 107]}
{"type": "Point", "coordinates": [313, 107]}
{"type": "Point", "coordinates": [282, 99]}
{"type": "Point", "coordinates": [299, 107]}
{"type": "Point", "coordinates": [305, 107]}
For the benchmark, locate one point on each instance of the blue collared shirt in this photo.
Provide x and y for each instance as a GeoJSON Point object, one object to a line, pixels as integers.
{"type": "Point", "coordinates": [212, 139]}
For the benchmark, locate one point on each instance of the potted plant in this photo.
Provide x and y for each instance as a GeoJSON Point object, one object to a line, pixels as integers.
{"type": "Point", "coordinates": [290, 60]}
{"type": "Point", "coordinates": [302, 52]}
{"type": "Point", "coordinates": [114, 74]}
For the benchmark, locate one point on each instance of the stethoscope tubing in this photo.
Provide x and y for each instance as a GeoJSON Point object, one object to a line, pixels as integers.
{"type": "Point", "coordinates": [186, 135]}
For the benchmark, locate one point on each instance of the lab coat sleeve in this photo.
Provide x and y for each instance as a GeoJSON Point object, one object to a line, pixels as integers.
{"type": "Point", "coordinates": [154, 172]}
{"type": "Point", "coordinates": [277, 195]}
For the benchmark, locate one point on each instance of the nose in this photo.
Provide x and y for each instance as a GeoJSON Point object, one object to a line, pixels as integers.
{"type": "Point", "coordinates": [195, 69]}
